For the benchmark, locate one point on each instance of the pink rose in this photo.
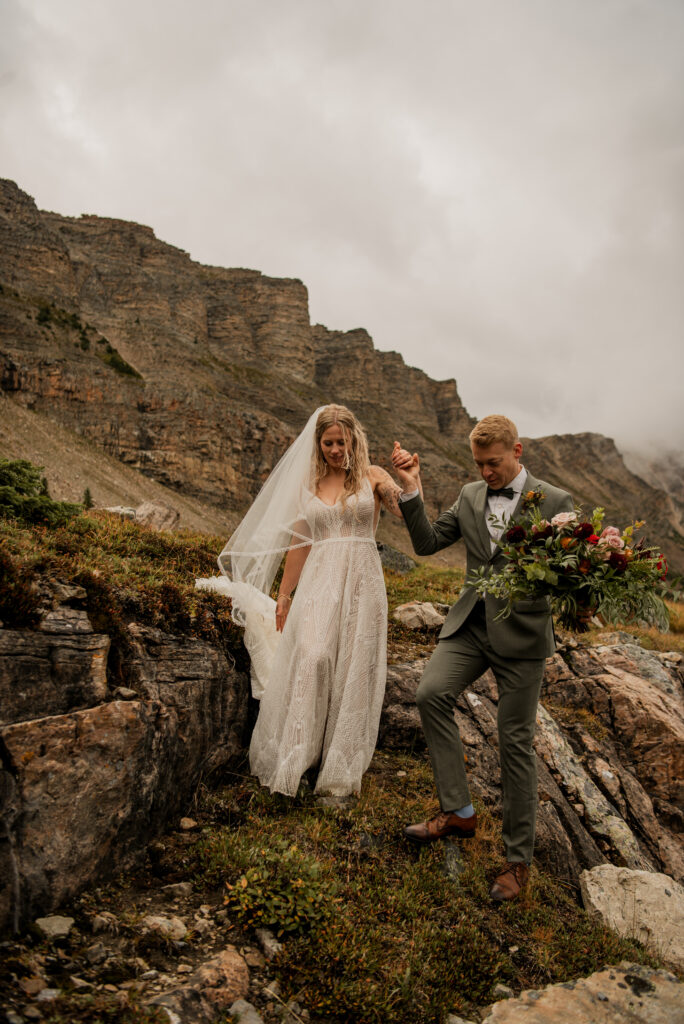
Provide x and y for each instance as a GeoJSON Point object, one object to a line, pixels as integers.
{"type": "Point", "coordinates": [610, 531]}
{"type": "Point", "coordinates": [563, 519]}
{"type": "Point", "coordinates": [613, 541]}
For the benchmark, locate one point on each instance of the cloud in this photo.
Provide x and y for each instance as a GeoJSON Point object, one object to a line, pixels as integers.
{"type": "Point", "coordinates": [492, 189]}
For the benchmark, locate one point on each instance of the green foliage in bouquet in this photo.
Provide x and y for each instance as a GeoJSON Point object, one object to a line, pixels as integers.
{"type": "Point", "coordinates": [582, 566]}
{"type": "Point", "coordinates": [24, 496]}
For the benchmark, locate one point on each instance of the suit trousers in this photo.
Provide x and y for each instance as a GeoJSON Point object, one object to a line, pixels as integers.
{"type": "Point", "coordinates": [456, 663]}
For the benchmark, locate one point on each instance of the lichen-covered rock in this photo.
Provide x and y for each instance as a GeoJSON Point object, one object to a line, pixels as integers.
{"type": "Point", "coordinates": [645, 905]}
{"type": "Point", "coordinates": [628, 994]}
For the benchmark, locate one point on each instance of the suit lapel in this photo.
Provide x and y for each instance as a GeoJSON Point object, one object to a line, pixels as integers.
{"type": "Point", "coordinates": [479, 503]}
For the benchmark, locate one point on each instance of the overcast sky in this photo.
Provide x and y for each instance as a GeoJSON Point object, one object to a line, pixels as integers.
{"type": "Point", "coordinates": [493, 188]}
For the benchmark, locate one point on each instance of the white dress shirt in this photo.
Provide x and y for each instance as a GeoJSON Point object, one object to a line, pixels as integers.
{"type": "Point", "coordinates": [502, 507]}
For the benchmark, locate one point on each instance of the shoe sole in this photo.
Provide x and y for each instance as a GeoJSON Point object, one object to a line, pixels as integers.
{"type": "Point", "coordinates": [459, 833]}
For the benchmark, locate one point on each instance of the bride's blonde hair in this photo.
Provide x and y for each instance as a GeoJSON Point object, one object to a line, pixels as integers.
{"type": "Point", "coordinates": [358, 461]}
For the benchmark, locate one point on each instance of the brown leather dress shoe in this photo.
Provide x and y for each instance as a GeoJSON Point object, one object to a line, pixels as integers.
{"type": "Point", "coordinates": [510, 882]}
{"type": "Point", "coordinates": [440, 826]}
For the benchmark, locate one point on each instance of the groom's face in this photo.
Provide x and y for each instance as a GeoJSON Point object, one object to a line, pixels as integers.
{"type": "Point", "coordinates": [498, 463]}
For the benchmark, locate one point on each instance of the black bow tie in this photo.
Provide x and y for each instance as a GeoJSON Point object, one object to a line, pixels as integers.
{"type": "Point", "coordinates": [503, 492]}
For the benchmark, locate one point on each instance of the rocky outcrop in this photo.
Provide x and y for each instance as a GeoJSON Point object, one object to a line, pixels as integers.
{"type": "Point", "coordinates": [88, 779]}
{"type": "Point", "coordinates": [606, 790]}
{"type": "Point", "coordinates": [638, 904]}
{"type": "Point", "coordinates": [627, 994]}
{"type": "Point", "coordinates": [198, 377]}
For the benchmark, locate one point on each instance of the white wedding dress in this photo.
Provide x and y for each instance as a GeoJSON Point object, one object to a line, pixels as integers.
{"type": "Point", "coordinates": [325, 681]}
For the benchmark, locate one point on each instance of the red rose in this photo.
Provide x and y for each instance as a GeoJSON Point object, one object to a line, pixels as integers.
{"type": "Point", "coordinates": [540, 533]}
{"type": "Point", "coordinates": [662, 564]}
{"type": "Point", "coordinates": [515, 534]}
{"type": "Point", "coordinates": [583, 530]}
{"type": "Point", "coordinates": [593, 539]}
{"type": "Point", "coordinates": [617, 561]}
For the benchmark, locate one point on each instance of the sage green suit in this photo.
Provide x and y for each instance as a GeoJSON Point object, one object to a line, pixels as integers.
{"type": "Point", "coordinates": [470, 641]}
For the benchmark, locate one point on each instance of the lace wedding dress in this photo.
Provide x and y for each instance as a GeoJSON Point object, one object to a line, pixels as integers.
{"type": "Point", "coordinates": [322, 698]}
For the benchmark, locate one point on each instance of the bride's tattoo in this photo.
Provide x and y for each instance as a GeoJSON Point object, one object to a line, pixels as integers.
{"type": "Point", "coordinates": [389, 493]}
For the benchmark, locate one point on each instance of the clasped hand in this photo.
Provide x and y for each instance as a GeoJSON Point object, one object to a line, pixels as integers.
{"type": "Point", "coordinates": [407, 467]}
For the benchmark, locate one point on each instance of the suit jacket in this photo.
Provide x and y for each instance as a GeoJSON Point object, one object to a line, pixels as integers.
{"type": "Point", "coordinates": [528, 631]}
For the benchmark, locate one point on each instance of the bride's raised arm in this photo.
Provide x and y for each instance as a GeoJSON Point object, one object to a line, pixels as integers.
{"type": "Point", "coordinates": [385, 489]}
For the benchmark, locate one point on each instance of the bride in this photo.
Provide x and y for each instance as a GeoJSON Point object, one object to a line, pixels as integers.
{"type": "Point", "coordinates": [318, 654]}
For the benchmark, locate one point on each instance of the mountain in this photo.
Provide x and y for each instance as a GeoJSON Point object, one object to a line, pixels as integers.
{"type": "Point", "coordinates": [197, 377]}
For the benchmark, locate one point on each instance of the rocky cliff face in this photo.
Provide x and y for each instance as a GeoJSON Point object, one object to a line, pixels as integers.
{"type": "Point", "coordinates": [89, 770]}
{"type": "Point", "coordinates": [198, 377]}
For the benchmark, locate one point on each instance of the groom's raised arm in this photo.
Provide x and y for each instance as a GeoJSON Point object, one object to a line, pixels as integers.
{"type": "Point", "coordinates": [426, 537]}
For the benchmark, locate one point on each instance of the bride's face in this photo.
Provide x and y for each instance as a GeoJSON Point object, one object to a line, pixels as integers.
{"type": "Point", "coordinates": [334, 446]}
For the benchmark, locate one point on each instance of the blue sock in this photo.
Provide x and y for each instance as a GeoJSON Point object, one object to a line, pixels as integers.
{"type": "Point", "coordinates": [465, 812]}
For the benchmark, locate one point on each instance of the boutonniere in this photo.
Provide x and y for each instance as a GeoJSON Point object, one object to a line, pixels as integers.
{"type": "Point", "coordinates": [532, 499]}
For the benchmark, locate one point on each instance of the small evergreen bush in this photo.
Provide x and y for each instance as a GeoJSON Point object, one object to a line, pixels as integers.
{"type": "Point", "coordinates": [24, 496]}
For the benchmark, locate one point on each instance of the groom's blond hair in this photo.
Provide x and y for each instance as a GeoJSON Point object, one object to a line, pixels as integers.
{"type": "Point", "coordinates": [494, 429]}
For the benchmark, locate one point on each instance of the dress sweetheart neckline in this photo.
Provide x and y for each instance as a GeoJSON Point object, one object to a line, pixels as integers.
{"type": "Point", "coordinates": [327, 503]}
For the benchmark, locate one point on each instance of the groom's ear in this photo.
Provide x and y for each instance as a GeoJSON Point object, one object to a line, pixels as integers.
{"type": "Point", "coordinates": [517, 449]}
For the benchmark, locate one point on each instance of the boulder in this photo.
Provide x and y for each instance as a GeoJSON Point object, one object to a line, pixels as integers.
{"type": "Point", "coordinates": [157, 515]}
{"type": "Point", "coordinates": [55, 927]}
{"type": "Point", "coordinates": [171, 927]}
{"type": "Point", "coordinates": [210, 991]}
{"type": "Point", "coordinates": [418, 615]}
{"type": "Point", "coordinates": [628, 994]}
{"type": "Point", "coordinates": [640, 904]}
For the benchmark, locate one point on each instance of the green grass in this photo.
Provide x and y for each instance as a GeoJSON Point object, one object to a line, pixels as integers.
{"type": "Point", "coordinates": [400, 941]}
{"type": "Point", "coordinates": [424, 583]}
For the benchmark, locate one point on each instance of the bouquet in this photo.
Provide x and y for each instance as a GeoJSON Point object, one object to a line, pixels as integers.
{"type": "Point", "coordinates": [584, 567]}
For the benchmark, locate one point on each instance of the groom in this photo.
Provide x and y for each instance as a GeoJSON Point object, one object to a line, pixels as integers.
{"type": "Point", "coordinates": [471, 640]}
